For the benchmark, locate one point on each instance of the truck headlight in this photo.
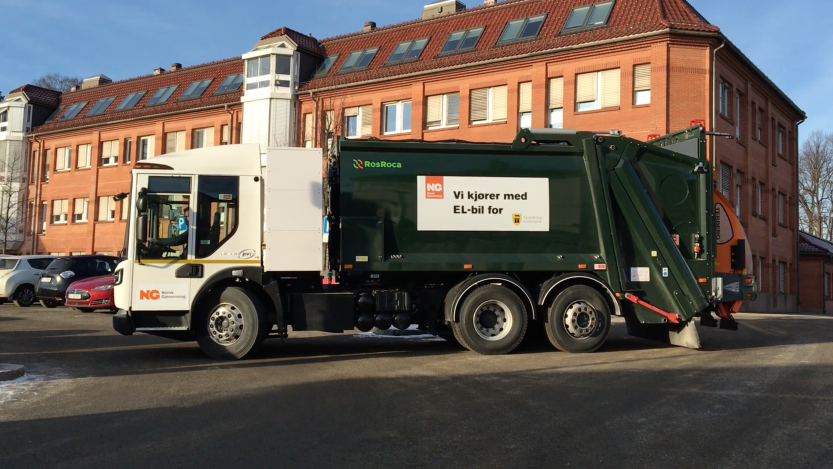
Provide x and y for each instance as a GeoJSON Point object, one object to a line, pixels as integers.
{"type": "Point", "coordinates": [117, 277]}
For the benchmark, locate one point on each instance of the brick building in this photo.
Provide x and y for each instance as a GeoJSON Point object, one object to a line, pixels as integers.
{"type": "Point", "coordinates": [82, 155]}
{"type": "Point", "coordinates": [815, 274]}
{"type": "Point", "coordinates": [645, 67]}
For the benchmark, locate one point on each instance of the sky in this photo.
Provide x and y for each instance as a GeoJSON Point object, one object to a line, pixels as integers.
{"type": "Point", "coordinates": [790, 42]}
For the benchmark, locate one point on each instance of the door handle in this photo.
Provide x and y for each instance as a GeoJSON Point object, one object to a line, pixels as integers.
{"type": "Point", "coordinates": [190, 271]}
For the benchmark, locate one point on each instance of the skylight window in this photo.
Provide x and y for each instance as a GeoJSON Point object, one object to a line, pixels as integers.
{"type": "Point", "coordinates": [358, 60]}
{"type": "Point", "coordinates": [524, 28]}
{"type": "Point", "coordinates": [462, 40]}
{"type": "Point", "coordinates": [129, 101]}
{"type": "Point", "coordinates": [55, 114]}
{"type": "Point", "coordinates": [73, 110]}
{"type": "Point", "coordinates": [231, 83]}
{"type": "Point", "coordinates": [161, 95]}
{"type": "Point", "coordinates": [324, 68]}
{"type": "Point", "coordinates": [406, 51]}
{"type": "Point", "coordinates": [195, 89]}
{"type": "Point", "coordinates": [588, 16]}
{"type": "Point", "coordinates": [100, 106]}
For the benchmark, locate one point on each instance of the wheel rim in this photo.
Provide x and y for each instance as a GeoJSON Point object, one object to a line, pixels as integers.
{"type": "Point", "coordinates": [492, 320]}
{"type": "Point", "coordinates": [26, 296]}
{"type": "Point", "coordinates": [581, 320]}
{"type": "Point", "coordinates": [225, 324]}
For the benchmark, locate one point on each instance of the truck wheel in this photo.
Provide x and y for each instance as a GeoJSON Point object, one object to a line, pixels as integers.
{"type": "Point", "coordinates": [234, 324]}
{"type": "Point", "coordinates": [578, 320]}
{"type": "Point", "coordinates": [493, 321]}
{"type": "Point", "coordinates": [24, 296]}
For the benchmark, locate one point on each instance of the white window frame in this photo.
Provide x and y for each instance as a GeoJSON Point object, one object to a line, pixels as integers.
{"type": "Point", "coordinates": [125, 206]}
{"type": "Point", "coordinates": [399, 108]}
{"type": "Point", "coordinates": [493, 114]}
{"type": "Point", "coordinates": [107, 207]}
{"type": "Point", "coordinates": [128, 149]}
{"type": "Point", "coordinates": [110, 153]}
{"type": "Point", "coordinates": [256, 81]}
{"type": "Point", "coordinates": [145, 146]}
{"type": "Point", "coordinates": [641, 95]}
{"type": "Point", "coordinates": [363, 128]}
{"type": "Point", "coordinates": [63, 159]}
{"type": "Point", "coordinates": [85, 206]}
{"type": "Point", "coordinates": [596, 104]}
{"type": "Point", "coordinates": [556, 106]}
{"type": "Point", "coordinates": [44, 207]}
{"type": "Point", "coordinates": [444, 109]}
{"type": "Point", "coordinates": [724, 98]}
{"type": "Point", "coordinates": [202, 138]}
{"type": "Point", "coordinates": [85, 156]}
{"type": "Point", "coordinates": [59, 211]}
{"type": "Point", "coordinates": [178, 141]}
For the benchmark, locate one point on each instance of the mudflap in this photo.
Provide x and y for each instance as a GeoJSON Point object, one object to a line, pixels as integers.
{"type": "Point", "coordinates": [681, 335]}
{"type": "Point", "coordinates": [684, 335]}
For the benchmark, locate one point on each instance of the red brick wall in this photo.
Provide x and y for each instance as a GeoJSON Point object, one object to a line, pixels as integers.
{"type": "Point", "coordinates": [812, 284]}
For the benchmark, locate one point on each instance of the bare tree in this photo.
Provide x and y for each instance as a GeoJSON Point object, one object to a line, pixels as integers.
{"type": "Point", "coordinates": [815, 185]}
{"type": "Point", "coordinates": [12, 201]}
{"type": "Point", "coordinates": [328, 123]}
{"type": "Point", "coordinates": [57, 82]}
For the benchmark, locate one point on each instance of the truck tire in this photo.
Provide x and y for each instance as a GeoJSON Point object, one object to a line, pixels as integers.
{"type": "Point", "coordinates": [24, 296]}
{"type": "Point", "coordinates": [578, 321]}
{"type": "Point", "coordinates": [233, 324]}
{"type": "Point", "coordinates": [493, 321]}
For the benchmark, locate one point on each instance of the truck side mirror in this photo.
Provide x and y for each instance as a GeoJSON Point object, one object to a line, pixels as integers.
{"type": "Point", "coordinates": [142, 228]}
{"type": "Point", "coordinates": [142, 201]}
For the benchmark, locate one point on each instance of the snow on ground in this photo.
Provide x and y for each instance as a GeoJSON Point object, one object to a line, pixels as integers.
{"type": "Point", "coordinates": [423, 337]}
{"type": "Point", "coordinates": [29, 384]}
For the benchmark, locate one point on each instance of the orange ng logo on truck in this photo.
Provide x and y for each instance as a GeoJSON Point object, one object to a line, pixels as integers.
{"type": "Point", "coordinates": [149, 295]}
{"type": "Point", "coordinates": [433, 187]}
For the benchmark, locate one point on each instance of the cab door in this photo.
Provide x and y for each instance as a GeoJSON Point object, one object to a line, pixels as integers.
{"type": "Point", "coordinates": [168, 248]}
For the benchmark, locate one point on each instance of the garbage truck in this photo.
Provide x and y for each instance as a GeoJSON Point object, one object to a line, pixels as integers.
{"type": "Point", "coordinates": [477, 242]}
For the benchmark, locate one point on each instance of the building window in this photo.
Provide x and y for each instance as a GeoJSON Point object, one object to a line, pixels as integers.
{"type": "Point", "coordinates": [724, 98]}
{"type": "Point", "coordinates": [161, 96]}
{"type": "Point", "coordinates": [175, 141]}
{"type": "Point", "coordinates": [224, 136]}
{"type": "Point", "coordinates": [73, 110]}
{"type": "Point", "coordinates": [358, 60]}
{"type": "Point", "coordinates": [109, 153]}
{"type": "Point", "coordinates": [130, 101]}
{"type": "Point", "coordinates": [488, 105]}
{"type": "Point", "coordinates": [106, 208]}
{"type": "Point", "coordinates": [128, 147]}
{"type": "Point", "coordinates": [760, 124]}
{"type": "Point", "coordinates": [43, 208]}
{"type": "Point", "coordinates": [85, 153]}
{"type": "Point", "coordinates": [738, 114]}
{"type": "Point", "coordinates": [782, 281]}
{"type": "Point", "coordinates": [738, 192]}
{"type": "Point", "coordinates": [100, 106]}
{"type": "Point", "coordinates": [79, 214]}
{"type": "Point", "coordinates": [44, 177]}
{"type": "Point", "coordinates": [407, 51]}
{"type": "Point", "coordinates": [325, 66]}
{"type": "Point", "coordinates": [597, 90]}
{"type": "Point", "coordinates": [524, 28]}
{"type": "Point", "coordinates": [761, 194]}
{"type": "Point", "coordinates": [781, 217]}
{"type": "Point", "coordinates": [230, 83]}
{"type": "Point", "coordinates": [145, 150]}
{"type": "Point", "coordinates": [195, 89]}
{"type": "Point", "coordinates": [642, 84]}
{"type": "Point", "coordinates": [443, 111]}
{"type": "Point", "coordinates": [556, 103]}
{"type": "Point", "coordinates": [525, 105]}
{"type": "Point", "coordinates": [588, 16]}
{"type": "Point", "coordinates": [256, 68]}
{"type": "Point", "coordinates": [780, 143]}
{"type": "Point", "coordinates": [59, 211]}
{"type": "Point", "coordinates": [283, 64]}
{"type": "Point", "coordinates": [55, 114]}
{"type": "Point", "coordinates": [761, 274]}
{"type": "Point", "coordinates": [125, 208]}
{"type": "Point", "coordinates": [397, 117]}
{"type": "Point", "coordinates": [4, 118]}
{"type": "Point", "coordinates": [358, 121]}
{"type": "Point", "coordinates": [63, 159]}
{"type": "Point", "coordinates": [308, 130]}
{"type": "Point", "coordinates": [459, 41]}
{"type": "Point", "coordinates": [202, 138]}
{"type": "Point", "coordinates": [726, 180]}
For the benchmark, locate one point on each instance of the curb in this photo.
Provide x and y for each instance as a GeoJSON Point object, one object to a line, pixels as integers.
{"type": "Point", "coordinates": [9, 372]}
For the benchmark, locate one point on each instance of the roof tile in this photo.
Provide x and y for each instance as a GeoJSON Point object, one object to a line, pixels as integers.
{"type": "Point", "coordinates": [38, 95]}
{"type": "Point", "coordinates": [809, 244]}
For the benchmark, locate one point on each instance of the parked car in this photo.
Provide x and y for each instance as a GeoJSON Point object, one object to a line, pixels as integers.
{"type": "Point", "coordinates": [18, 277]}
{"type": "Point", "coordinates": [63, 271]}
{"type": "Point", "coordinates": [91, 294]}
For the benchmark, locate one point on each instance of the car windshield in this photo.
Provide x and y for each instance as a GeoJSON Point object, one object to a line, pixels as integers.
{"type": "Point", "coordinates": [61, 265]}
{"type": "Point", "coordinates": [39, 264]}
{"type": "Point", "coordinates": [7, 264]}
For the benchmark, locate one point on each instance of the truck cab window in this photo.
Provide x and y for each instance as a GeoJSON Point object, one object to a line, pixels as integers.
{"type": "Point", "coordinates": [168, 219]}
{"type": "Point", "coordinates": [216, 213]}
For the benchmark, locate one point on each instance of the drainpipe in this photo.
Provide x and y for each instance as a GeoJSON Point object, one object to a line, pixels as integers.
{"type": "Point", "coordinates": [230, 127]}
{"type": "Point", "coordinates": [35, 201]}
{"type": "Point", "coordinates": [314, 119]}
{"type": "Point", "coordinates": [795, 221]}
{"type": "Point", "coordinates": [714, 107]}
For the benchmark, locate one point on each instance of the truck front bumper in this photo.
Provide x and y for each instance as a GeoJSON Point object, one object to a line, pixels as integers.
{"type": "Point", "coordinates": [123, 324]}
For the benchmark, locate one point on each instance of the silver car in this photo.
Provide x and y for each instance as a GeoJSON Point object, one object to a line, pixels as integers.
{"type": "Point", "coordinates": [18, 277]}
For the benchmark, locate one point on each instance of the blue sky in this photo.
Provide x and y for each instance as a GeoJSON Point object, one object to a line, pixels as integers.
{"type": "Point", "coordinates": [789, 41]}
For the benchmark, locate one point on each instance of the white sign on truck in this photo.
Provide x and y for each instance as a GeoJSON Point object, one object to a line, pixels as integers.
{"type": "Point", "coordinates": [451, 203]}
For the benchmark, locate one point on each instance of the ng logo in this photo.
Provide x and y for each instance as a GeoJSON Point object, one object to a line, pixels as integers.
{"type": "Point", "coordinates": [152, 295]}
{"type": "Point", "coordinates": [433, 187]}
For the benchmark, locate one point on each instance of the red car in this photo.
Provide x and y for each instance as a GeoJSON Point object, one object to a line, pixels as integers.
{"type": "Point", "coordinates": [90, 294]}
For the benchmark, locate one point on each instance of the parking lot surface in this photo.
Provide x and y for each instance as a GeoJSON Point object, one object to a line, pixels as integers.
{"type": "Point", "coordinates": [759, 397]}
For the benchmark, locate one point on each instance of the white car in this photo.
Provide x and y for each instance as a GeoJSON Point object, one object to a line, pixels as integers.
{"type": "Point", "coordinates": [18, 277]}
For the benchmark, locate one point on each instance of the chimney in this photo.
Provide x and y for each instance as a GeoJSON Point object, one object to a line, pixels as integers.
{"type": "Point", "coordinates": [176, 66]}
{"type": "Point", "coordinates": [442, 8]}
{"type": "Point", "coordinates": [158, 71]}
{"type": "Point", "coordinates": [95, 81]}
{"type": "Point", "coordinates": [75, 88]}
{"type": "Point", "coordinates": [488, 2]}
{"type": "Point", "coordinates": [369, 26]}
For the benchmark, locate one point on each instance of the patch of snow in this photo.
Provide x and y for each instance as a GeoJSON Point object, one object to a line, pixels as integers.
{"type": "Point", "coordinates": [27, 384]}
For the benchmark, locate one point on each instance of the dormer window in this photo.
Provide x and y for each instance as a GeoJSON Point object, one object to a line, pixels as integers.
{"type": "Point", "coordinates": [524, 28]}
{"type": "Point", "coordinates": [358, 60]}
{"type": "Point", "coordinates": [257, 72]}
{"type": "Point", "coordinates": [100, 106]}
{"type": "Point", "coordinates": [195, 89]}
{"type": "Point", "coordinates": [588, 16]}
{"type": "Point", "coordinates": [460, 41]}
{"type": "Point", "coordinates": [73, 110]}
{"type": "Point", "coordinates": [407, 51]}
{"type": "Point", "coordinates": [325, 66]}
{"type": "Point", "coordinates": [161, 96]}
{"type": "Point", "coordinates": [283, 64]}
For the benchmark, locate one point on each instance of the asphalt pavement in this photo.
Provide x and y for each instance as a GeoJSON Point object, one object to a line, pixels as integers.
{"type": "Point", "coordinates": [759, 397]}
